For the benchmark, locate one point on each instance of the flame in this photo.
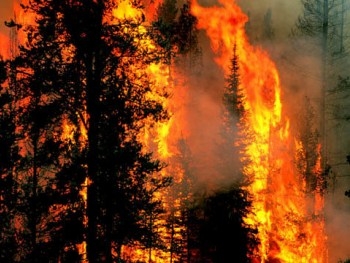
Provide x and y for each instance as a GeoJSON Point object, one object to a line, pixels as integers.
{"type": "Point", "coordinates": [287, 231]}
{"type": "Point", "coordinates": [4, 46]}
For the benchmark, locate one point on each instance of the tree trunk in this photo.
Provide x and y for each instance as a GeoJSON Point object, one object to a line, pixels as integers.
{"type": "Point", "coordinates": [33, 204]}
{"type": "Point", "coordinates": [324, 81]}
{"type": "Point", "coordinates": [172, 237]}
{"type": "Point", "coordinates": [92, 162]}
{"type": "Point", "coordinates": [342, 26]}
{"type": "Point", "coordinates": [109, 225]}
{"type": "Point", "coordinates": [92, 63]}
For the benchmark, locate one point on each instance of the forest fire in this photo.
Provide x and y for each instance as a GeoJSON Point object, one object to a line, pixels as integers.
{"type": "Point", "coordinates": [113, 161]}
{"type": "Point", "coordinates": [287, 230]}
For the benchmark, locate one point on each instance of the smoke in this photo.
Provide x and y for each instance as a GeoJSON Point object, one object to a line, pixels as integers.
{"type": "Point", "coordinates": [284, 13]}
{"type": "Point", "coordinates": [338, 224]}
{"type": "Point", "coordinates": [204, 119]}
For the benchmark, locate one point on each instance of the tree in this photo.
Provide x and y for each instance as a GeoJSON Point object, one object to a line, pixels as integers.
{"type": "Point", "coordinates": [347, 193]}
{"type": "Point", "coordinates": [233, 97]}
{"type": "Point", "coordinates": [180, 201]}
{"type": "Point", "coordinates": [232, 113]}
{"type": "Point", "coordinates": [86, 66]}
{"type": "Point", "coordinates": [8, 160]}
{"type": "Point", "coordinates": [307, 153]}
{"type": "Point", "coordinates": [218, 232]}
{"type": "Point", "coordinates": [322, 26]}
{"type": "Point", "coordinates": [177, 32]}
{"type": "Point", "coordinates": [50, 201]}
{"type": "Point", "coordinates": [268, 30]}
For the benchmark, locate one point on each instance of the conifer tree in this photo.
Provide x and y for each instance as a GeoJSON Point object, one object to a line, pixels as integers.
{"type": "Point", "coordinates": [323, 28]}
{"type": "Point", "coordinates": [46, 209]}
{"type": "Point", "coordinates": [85, 67]}
{"type": "Point", "coordinates": [268, 30]}
{"type": "Point", "coordinates": [308, 153]}
{"type": "Point", "coordinates": [8, 160]}
{"type": "Point", "coordinates": [176, 31]}
{"type": "Point", "coordinates": [232, 113]}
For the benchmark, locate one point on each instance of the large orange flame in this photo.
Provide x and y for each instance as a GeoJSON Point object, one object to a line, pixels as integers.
{"type": "Point", "coordinates": [287, 230]}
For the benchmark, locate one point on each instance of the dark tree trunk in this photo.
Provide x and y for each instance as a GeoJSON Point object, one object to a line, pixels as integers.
{"type": "Point", "coordinates": [92, 161]}
{"type": "Point", "coordinates": [325, 29]}
{"type": "Point", "coordinates": [92, 63]}
{"type": "Point", "coordinates": [33, 204]}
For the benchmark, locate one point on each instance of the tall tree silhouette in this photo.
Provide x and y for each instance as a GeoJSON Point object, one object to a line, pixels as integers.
{"type": "Point", "coordinates": [85, 68]}
{"type": "Point", "coordinates": [218, 233]}
{"type": "Point", "coordinates": [8, 160]}
{"type": "Point", "coordinates": [50, 202]}
{"type": "Point", "coordinates": [232, 113]}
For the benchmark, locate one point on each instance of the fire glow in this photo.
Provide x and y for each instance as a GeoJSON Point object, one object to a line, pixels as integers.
{"type": "Point", "coordinates": [287, 231]}
{"type": "Point", "coordinates": [286, 228]}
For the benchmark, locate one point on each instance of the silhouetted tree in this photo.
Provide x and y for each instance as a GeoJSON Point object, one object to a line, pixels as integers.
{"type": "Point", "coordinates": [307, 154]}
{"type": "Point", "coordinates": [233, 97]}
{"type": "Point", "coordinates": [268, 30]}
{"type": "Point", "coordinates": [232, 113]}
{"type": "Point", "coordinates": [47, 210]}
{"type": "Point", "coordinates": [176, 32]}
{"type": "Point", "coordinates": [86, 66]}
{"type": "Point", "coordinates": [180, 201]}
{"type": "Point", "coordinates": [8, 161]}
{"type": "Point", "coordinates": [218, 232]}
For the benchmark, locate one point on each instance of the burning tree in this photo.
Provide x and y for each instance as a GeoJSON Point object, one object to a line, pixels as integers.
{"type": "Point", "coordinates": [279, 208]}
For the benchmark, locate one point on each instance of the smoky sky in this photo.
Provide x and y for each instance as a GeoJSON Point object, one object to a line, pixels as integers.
{"type": "Point", "coordinates": [5, 14]}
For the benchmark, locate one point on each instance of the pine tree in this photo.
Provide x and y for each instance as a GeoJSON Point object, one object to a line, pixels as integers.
{"type": "Point", "coordinates": [308, 153]}
{"type": "Point", "coordinates": [8, 160]}
{"type": "Point", "coordinates": [232, 94]}
{"type": "Point", "coordinates": [47, 210]}
{"type": "Point", "coordinates": [268, 30]}
{"type": "Point", "coordinates": [176, 31]}
{"type": "Point", "coordinates": [232, 113]}
{"type": "Point", "coordinates": [322, 24]}
{"type": "Point", "coordinates": [87, 68]}
{"type": "Point", "coordinates": [218, 233]}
